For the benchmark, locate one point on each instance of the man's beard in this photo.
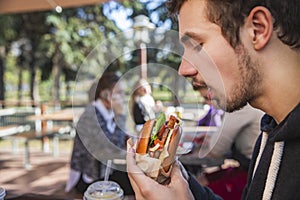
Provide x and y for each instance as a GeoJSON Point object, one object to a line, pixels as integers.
{"type": "Point", "coordinates": [247, 86]}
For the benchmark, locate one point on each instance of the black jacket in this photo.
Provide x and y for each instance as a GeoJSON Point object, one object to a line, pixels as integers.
{"type": "Point", "coordinates": [274, 171]}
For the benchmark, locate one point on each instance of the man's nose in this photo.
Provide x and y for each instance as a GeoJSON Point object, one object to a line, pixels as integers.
{"type": "Point", "coordinates": [186, 68]}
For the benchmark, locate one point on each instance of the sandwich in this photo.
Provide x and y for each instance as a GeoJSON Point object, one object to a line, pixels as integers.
{"type": "Point", "coordinates": [159, 139]}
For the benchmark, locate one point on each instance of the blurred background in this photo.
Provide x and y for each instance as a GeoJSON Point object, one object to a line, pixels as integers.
{"type": "Point", "coordinates": [51, 51]}
{"type": "Point", "coordinates": [41, 52]}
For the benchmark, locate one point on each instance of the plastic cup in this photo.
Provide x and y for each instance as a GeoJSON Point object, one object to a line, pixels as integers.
{"type": "Point", "coordinates": [2, 193]}
{"type": "Point", "coordinates": [104, 190]}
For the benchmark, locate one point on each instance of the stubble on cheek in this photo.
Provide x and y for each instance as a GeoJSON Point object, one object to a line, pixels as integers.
{"type": "Point", "coordinates": [248, 83]}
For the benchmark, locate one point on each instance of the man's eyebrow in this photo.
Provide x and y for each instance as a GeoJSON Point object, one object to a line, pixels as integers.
{"type": "Point", "coordinates": [184, 38]}
{"type": "Point", "coordinates": [189, 36]}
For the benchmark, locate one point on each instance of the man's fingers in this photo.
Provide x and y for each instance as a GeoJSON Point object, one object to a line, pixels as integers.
{"type": "Point", "coordinates": [179, 182]}
{"type": "Point", "coordinates": [131, 163]}
{"type": "Point", "coordinates": [137, 176]}
{"type": "Point", "coordinates": [178, 173]}
{"type": "Point", "coordinates": [131, 169]}
{"type": "Point", "coordinates": [183, 170]}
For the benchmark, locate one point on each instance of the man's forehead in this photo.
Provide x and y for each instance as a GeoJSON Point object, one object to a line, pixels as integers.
{"type": "Point", "coordinates": [192, 14]}
{"type": "Point", "coordinates": [191, 6]}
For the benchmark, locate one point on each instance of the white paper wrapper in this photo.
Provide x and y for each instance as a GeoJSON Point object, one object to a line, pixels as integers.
{"type": "Point", "coordinates": [150, 166]}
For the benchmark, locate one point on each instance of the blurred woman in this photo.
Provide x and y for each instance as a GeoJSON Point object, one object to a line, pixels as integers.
{"type": "Point", "coordinates": [143, 105]}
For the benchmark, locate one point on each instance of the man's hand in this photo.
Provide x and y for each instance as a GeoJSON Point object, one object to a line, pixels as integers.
{"type": "Point", "coordinates": [146, 188]}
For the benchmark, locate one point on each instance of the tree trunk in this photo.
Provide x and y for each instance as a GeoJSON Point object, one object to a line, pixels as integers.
{"type": "Point", "coordinates": [20, 83]}
{"type": "Point", "coordinates": [2, 70]}
{"type": "Point", "coordinates": [33, 83]}
{"type": "Point", "coordinates": [68, 90]}
{"type": "Point", "coordinates": [56, 71]}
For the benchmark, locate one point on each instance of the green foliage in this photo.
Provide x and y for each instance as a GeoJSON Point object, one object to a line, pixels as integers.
{"type": "Point", "coordinates": [162, 95]}
{"type": "Point", "coordinates": [10, 25]}
{"type": "Point", "coordinates": [47, 39]}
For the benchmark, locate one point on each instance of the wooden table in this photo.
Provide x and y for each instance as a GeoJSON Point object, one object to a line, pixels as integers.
{"type": "Point", "coordinates": [7, 130]}
{"type": "Point", "coordinates": [45, 130]}
{"type": "Point", "coordinates": [8, 111]}
{"type": "Point", "coordinates": [199, 129]}
{"type": "Point", "coordinates": [190, 133]}
{"type": "Point", "coordinates": [192, 159]}
{"type": "Point", "coordinates": [69, 115]}
{"type": "Point", "coordinates": [44, 127]}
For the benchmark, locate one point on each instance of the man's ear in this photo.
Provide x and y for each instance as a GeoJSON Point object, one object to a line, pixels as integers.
{"type": "Point", "coordinates": [260, 26]}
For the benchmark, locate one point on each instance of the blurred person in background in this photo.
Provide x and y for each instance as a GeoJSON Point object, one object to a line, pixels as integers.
{"type": "Point", "coordinates": [143, 105]}
{"type": "Point", "coordinates": [214, 116]}
{"type": "Point", "coordinates": [105, 118]}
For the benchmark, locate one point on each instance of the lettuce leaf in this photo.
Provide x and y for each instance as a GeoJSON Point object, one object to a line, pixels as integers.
{"type": "Point", "coordinates": [160, 120]}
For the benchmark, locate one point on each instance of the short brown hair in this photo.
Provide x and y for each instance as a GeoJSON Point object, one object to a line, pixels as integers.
{"type": "Point", "coordinates": [230, 16]}
{"type": "Point", "coordinates": [107, 81]}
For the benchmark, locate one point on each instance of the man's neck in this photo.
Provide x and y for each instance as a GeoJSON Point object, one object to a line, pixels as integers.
{"type": "Point", "coordinates": [281, 92]}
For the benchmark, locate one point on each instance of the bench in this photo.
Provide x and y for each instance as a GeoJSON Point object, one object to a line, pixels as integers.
{"type": "Point", "coordinates": [55, 133]}
{"type": "Point", "coordinates": [16, 126]}
{"type": "Point", "coordinates": [13, 121]}
{"type": "Point", "coordinates": [13, 129]}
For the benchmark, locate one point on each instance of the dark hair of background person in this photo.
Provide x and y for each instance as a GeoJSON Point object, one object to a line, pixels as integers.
{"type": "Point", "coordinates": [230, 16]}
{"type": "Point", "coordinates": [106, 82]}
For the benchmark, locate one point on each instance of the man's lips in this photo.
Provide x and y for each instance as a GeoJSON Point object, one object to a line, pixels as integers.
{"type": "Point", "coordinates": [199, 85]}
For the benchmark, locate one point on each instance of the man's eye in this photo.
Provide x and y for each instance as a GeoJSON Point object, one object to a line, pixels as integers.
{"type": "Point", "coordinates": [198, 47]}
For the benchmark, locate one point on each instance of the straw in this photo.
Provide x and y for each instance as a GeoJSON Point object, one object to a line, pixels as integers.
{"type": "Point", "coordinates": [107, 170]}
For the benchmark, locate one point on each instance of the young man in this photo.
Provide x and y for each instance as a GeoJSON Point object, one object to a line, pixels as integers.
{"type": "Point", "coordinates": [255, 46]}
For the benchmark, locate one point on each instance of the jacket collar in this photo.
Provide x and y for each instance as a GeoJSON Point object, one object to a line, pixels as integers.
{"type": "Point", "coordinates": [288, 129]}
{"type": "Point", "coordinates": [107, 114]}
